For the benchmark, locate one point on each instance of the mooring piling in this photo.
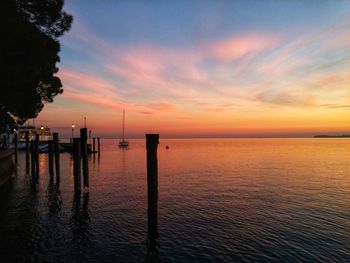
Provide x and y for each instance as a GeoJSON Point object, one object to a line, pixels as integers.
{"type": "Point", "coordinates": [152, 141]}
{"type": "Point", "coordinates": [27, 150]}
{"type": "Point", "coordinates": [94, 145]}
{"type": "Point", "coordinates": [98, 145]}
{"type": "Point", "coordinates": [57, 153]}
{"type": "Point", "coordinates": [51, 154]}
{"type": "Point", "coordinates": [36, 155]}
{"type": "Point", "coordinates": [15, 142]}
{"type": "Point", "coordinates": [76, 164]}
{"type": "Point", "coordinates": [84, 155]}
{"type": "Point", "coordinates": [32, 158]}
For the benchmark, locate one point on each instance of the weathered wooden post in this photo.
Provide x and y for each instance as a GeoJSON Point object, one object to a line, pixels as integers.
{"type": "Point", "coordinates": [4, 142]}
{"type": "Point", "coordinates": [32, 158]}
{"type": "Point", "coordinates": [15, 142]}
{"type": "Point", "coordinates": [98, 145]}
{"type": "Point", "coordinates": [76, 164]}
{"type": "Point", "coordinates": [51, 154]}
{"type": "Point", "coordinates": [152, 141]}
{"type": "Point", "coordinates": [37, 155]}
{"type": "Point", "coordinates": [56, 145]}
{"type": "Point", "coordinates": [93, 145]}
{"type": "Point", "coordinates": [27, 150]}
{"type": "Point", "coordinates": [84, 155]}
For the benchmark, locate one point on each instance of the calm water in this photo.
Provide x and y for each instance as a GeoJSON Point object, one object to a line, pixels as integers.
{"type": "Point", "coordinates": [220, 200]}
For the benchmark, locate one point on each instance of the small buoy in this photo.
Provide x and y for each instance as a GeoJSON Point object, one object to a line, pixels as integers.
{"type": "Point", "coordinates": [167, 147]}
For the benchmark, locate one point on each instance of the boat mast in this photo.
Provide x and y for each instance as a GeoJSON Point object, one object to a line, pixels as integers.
{"type": "Point", "coordinates": [123, 123]}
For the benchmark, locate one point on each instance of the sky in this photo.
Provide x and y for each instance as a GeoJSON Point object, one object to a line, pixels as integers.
{"type": "Point", "coordinates": [204, 68]}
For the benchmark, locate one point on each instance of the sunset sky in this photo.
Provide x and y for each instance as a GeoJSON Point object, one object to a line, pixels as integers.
{"type": "Point", "coordinates": [205, 68]}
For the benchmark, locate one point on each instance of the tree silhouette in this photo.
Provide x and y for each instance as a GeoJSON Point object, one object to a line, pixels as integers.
{"type": "Point", "coordinates": [29, 53]}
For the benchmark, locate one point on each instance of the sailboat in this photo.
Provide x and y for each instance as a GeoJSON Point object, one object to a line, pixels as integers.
{"type": "Point", "coordinates": [123, 143]}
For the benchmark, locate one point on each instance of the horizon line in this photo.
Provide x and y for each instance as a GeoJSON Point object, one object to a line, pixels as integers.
{"type": "Point", "coordinates": [227, 137]}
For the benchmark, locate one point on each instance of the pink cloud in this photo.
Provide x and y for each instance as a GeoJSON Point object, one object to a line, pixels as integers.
{"type": "Point", "coordinates": [163, 72]}
{"type": "Point", "coordinates": [159, 108]}
{"type": "Point", "coordinates": [87, 82]}
{"type": "Point", "coordinates": [94, 90]}
{"type": "Point", "coordinates": [147, 62]}
{"type": "Point", "coordinates": [95, 100]}
{"type": "Point", "coordinates": [237, 47]}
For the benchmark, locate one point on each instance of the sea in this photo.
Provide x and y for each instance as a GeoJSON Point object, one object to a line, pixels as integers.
{"type": "Point", "coordinates": [219, 200]}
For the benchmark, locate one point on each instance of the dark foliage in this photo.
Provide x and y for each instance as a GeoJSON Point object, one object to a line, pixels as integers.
{"type": "Point", "coordinates": [29, 53]}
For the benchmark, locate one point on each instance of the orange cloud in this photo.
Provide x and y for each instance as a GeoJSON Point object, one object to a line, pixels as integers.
{"type": "Point", "coordinates": [163, 106]}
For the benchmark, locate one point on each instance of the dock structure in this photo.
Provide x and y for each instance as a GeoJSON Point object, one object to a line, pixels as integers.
{"type": "Point", "coordinates": [84, 156]}
{"type": "Point", "coordinates": [27, 151]}
{"type": "Point", "coordinates": [15, 142]}
{"type": "Point", "coordinates": [56, 146]}
{"type": "Point", "coordinates": [36, 155]}
{"type": "Point", "coordinates": [79, 148]}
{"type": "Point", "coordinates": [51, 156]}
{"type": "Point", "coordinates": [98, 146]}
{"type": "Point", "coordinates": [76, 164]}
{"type": "Point", "coordinates": [32, 159]}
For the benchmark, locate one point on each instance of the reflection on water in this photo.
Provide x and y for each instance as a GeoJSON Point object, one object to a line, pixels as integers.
{"type": "Point", "coordinates": [96, 163]}
{"type": "Point", "coordinates": [43, 160]}
{"type": "Point", "coordinates": [152, 241]}
{"type": "Point", "coordinates": [54, 200]}
{"type": "Point", "coordinates": [81, 243]}
{"type": "Point", "coordinates": [220, 200]}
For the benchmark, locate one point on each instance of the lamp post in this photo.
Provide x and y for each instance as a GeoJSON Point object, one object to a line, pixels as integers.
{"type": "Point", "coordinates": [73, 126]}
{"type": "Point", "coordinates": [42, 132]}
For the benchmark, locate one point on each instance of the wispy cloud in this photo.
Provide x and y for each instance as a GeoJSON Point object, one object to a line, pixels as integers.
{"type": "Point", "coordinates": [234, 48]}
{"type": "Point", "coordinates": [269, 63]}
{"type": "Point", "coordinates": [95, 90]}
{"type": "Point", "coordinates": [335, 106]}
{"type": "Point", "coordinates": [246, 72]}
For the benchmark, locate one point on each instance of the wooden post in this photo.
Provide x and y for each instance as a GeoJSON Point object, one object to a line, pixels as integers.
{"type": "Point", "coordinates": [27, 151]}
{"type": "Point", "coordinates": [76, 164]}
{"type": "Point", "coordinates": [152, 141]}
{"type": "Point", "coordinates": [51, 154]}
{"type": "Point", "coordinates": [93, 145]}
{"type": "Point", "coordinates": [56, 146]}
{"type": "Point", "coordinates": [84, 155]}
{"type": "Point", "coordinates": [98, 145]}
{"type": "Point", "coordinates": [37, 155]}
{"type": "Point", "coordinates": [15, 142]}
{"type": "Point", "coordinates": [32, 158]}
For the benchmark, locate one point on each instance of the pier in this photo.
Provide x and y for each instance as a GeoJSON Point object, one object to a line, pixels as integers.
{"type": "Point", "coordinates": [56, 172]}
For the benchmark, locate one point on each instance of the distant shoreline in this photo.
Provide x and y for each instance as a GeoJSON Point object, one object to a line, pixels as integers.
{"type": "Point", "coordinates": [333, 136]}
